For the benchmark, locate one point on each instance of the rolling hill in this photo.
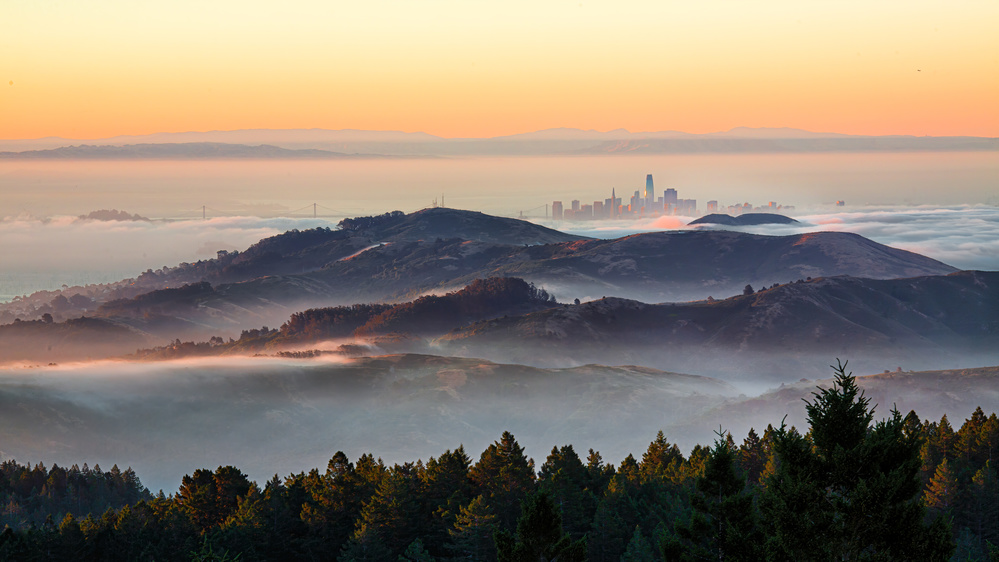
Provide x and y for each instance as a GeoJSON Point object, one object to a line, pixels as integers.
{"type": "Point", "coordinates": [924, 320]}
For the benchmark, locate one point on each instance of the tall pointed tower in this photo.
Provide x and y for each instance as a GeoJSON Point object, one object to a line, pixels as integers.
{"type": "Point", "coordinates": [650, 194]}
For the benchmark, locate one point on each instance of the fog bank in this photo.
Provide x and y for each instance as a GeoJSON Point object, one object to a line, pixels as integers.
{"type": "Point", "coordinates": [270, 416]}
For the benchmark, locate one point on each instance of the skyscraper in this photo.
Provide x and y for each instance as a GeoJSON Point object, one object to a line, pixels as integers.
{"type": "Point", "coordinates": [613, 204]}
{"type": "Point", "coordinates": [669, 201]}
{"type": "Point", "coordinates": [650, 194]}
{"type": "Point", "coordinates": [636, 204]}
{"type": "Point", "coordinates": [557, 210]}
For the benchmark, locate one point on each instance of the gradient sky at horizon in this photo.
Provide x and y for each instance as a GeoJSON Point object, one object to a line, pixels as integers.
{"type": "Point", "coordinates": [457, 68]}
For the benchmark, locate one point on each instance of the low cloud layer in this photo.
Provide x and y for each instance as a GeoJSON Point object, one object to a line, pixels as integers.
{"type": "Point", "coordinates": [45, 254]}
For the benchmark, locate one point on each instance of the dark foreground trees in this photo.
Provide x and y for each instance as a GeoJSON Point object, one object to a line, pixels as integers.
{"type": "Point", "coordinates": [539, 535]}
{"type": "Point", "coordinates": [849, 490]}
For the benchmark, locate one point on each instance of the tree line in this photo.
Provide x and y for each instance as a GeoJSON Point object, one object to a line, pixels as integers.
{"type": "Point", "coordinates": [849, 487]}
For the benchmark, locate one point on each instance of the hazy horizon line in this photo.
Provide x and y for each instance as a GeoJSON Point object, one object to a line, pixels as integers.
{"type": "Point", "coordinates": [573, 130]}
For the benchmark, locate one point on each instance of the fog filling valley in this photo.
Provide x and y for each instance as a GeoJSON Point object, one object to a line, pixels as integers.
{"type": "Point", "coordinates": [282, 416]}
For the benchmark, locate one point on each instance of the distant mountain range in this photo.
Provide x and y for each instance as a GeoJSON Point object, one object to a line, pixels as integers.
{"type": "Point", "coordinates": [321, 143]}
{"type": "Point", "coordinates": [186, 150]}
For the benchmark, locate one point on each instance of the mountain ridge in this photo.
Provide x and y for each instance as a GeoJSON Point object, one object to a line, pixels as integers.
{"type": "Point", "coordinates": [548, 141]}
{"type": "Point", "coordinates": [919, 317]}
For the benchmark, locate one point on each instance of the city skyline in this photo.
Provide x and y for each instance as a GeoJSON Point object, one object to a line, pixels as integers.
{"type": "Point", "coordinates": [648, 205]}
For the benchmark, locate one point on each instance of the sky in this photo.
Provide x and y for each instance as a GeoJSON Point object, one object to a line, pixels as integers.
{"type": "Point", "coordinates": [460, 68]}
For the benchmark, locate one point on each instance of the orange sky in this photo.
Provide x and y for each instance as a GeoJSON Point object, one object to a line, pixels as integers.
{"type": "Point", "coordinates": [482, 68]}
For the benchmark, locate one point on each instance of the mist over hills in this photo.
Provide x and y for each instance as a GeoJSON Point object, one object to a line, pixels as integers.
{"type": "Point", "coordinates": [72, 340]}
{"type": "Point", "coordinates": [653, 267]}
{"type": "Point", "coordinates": [396, 258]}
{"type": "Point", "coordinates": [152, 416]}
{"type": "Point", "coordinates": [931, 394]}
{"type": "Point", "coordinates": [400, 407]}
{"type": "Point", "coordinates": [546, 142]}
{"type": "Point", "coordinates": [922, 320]}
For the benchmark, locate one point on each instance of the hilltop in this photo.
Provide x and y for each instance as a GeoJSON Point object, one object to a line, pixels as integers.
{"type": "Point", "coordinates": [443, 223]}
{"type": "Point", "coordinates": [746, 219]}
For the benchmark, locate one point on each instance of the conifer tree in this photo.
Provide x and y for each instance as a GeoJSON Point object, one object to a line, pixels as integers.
{"type": "Point", "coordinates": [539, 535]}
{"type": "Point", "coordinates": [71, 541]}
{"type": "Point", "coordinates": [941, 493]}
{"type": "Point", "coordinates": [448, 488]}
{"type": "Point", "coordinates": [941, 440]}
{"type": "Point", "coordinates": [608, 536]}
{"type": "Point", "coordinates": [365, 546]}
{"type": "Point", "coordinates": [598, 472]}
{"type": "Point", "coordinates": [471, 537]}
{"type": "Point", "coordinates": [967, 438]}
{"type": "Point", "coordinates": [662, 460]}
{"type": "Point", "coordinates": [639, 549]}
{"type": "Point", "coordinates": [565, 478]}
{"type": "Point", "coordinates": [505, 476]}
{"type": "Point", "coordinates": [989, 439]}
{"type": "Point", "coordinates": [723, 525]}
{"type": "Point", "coordinates": [983, 511]}
{"type": "Point", "coordinates": [391, 514]}
{"type": "Point", "coordinates": [415, 552]}
{"type": "Point", "coordinates": [752, 456]}
{"type": "Point", "coordinates": [850, 490]}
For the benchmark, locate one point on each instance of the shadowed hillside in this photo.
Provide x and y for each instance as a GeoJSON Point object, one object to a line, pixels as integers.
{"type": "Point", "coordinates": [935, 318]}
{"type": "Point", "coordinates": [79, 338]}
